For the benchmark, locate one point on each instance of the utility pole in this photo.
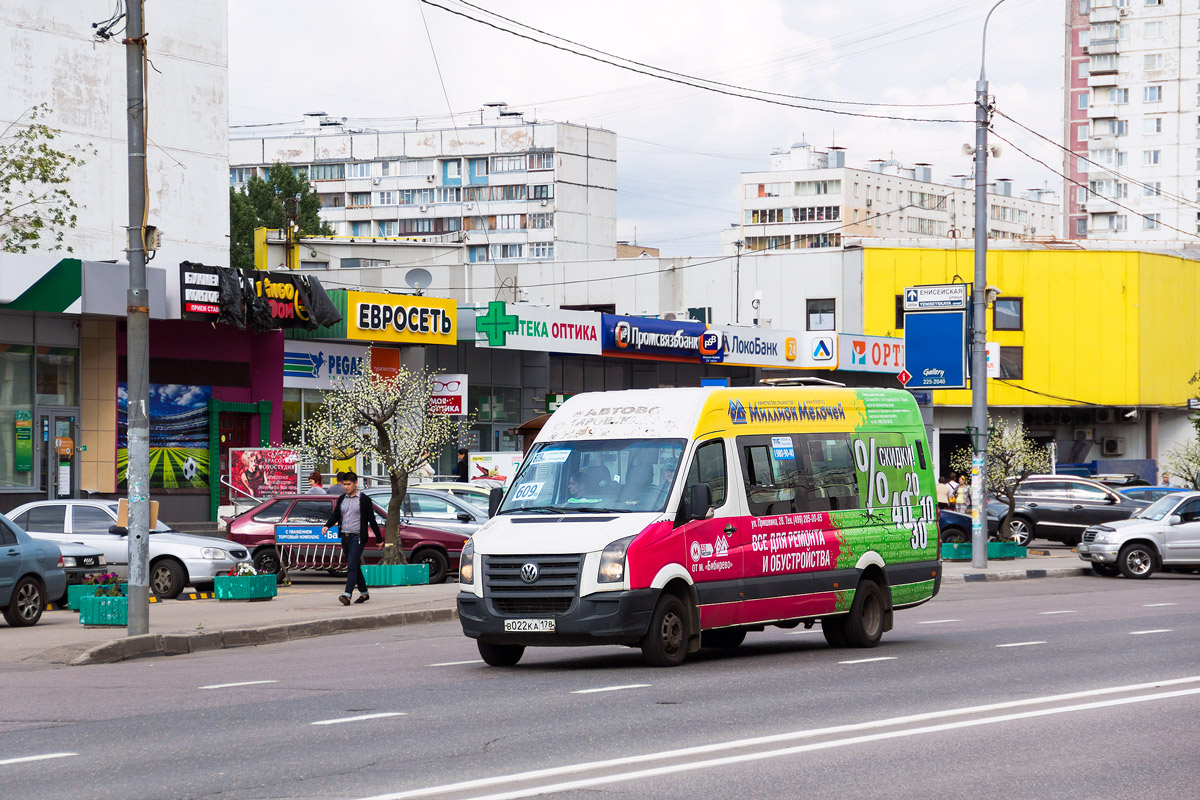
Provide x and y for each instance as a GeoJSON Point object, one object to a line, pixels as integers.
{"type": "Point", "coordinates": [137, 326]}
{"type": "Point", "coordinates": [737, 288]}
{"type": "Point", "coordinates": [979, 414]}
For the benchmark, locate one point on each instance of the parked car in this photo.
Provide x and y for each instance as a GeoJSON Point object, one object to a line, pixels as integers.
{"type": "Point", "coordinates": [1149, 493]}
{"type": "Point", "coordinates": [78, 561]}
{"type": "Point", "coordinates": [255, 529]}
{"type": "Point", "coordinates": [30, 575]}
{"type": "Point", "coordinates": [1061, 507]}
{"type": "Point", "coordinates": [955, 528]}
{"type": "Point", "coordinates": [473, 493]}
{"type": "Point", "coordinates": [176, 559]}
{"type": "Point", "coordinates": [1166, 535]}
{"type": "Point", "coordinates": [434, 508]}
{"type": "Point", "coordinates": [1118, 479]}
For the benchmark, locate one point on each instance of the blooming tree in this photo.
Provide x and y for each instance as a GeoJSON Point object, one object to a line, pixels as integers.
{"type": "Point", "coordinates": [389, 421]}
{"type": "Point", "coordinates": [1011, 458]}
{"type": "Point", "coordinates": [1183, 462]}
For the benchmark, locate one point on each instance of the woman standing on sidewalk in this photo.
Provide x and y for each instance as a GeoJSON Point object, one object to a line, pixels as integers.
{"type": "Point", "coordinates": [352, 513]}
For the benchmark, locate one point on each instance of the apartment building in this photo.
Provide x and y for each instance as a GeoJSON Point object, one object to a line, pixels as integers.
{"type": "Point", "coordinates": [508, 188]}
{"type": "Point", "coordinates": [811, 199]}
{"type": "Point", "coordinates": [1133, 109]}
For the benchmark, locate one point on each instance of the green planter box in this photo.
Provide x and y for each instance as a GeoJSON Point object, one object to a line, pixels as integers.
{"type": "Point", "coordinates": [246, 587]}
{"type": "Point", "coordinates": [103, 610]}
{"type": "Point", "coordinates": [996, 550]}
{"type": "Point", "coordinates": [77, 591]}
{"type": "Point", "coordinates": [396, 574]}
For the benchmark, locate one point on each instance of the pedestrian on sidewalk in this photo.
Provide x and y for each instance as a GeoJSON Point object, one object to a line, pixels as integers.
{"type": "Point", "coordinates": [944, 493]}
{"type": "Point", "coordinates": [336, 487]}
{"type": "Point", "coordinates": [463, 468]}
{"type": "Point", "coordinates": [314, 483]}
{"type": "Point", "coordinates": [352, 512]}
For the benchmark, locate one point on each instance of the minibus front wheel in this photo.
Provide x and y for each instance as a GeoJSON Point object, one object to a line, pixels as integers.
{"type": "Point", "coordinates": [666, 642]}
{"type": "Point", "coordinates": [500, 655]}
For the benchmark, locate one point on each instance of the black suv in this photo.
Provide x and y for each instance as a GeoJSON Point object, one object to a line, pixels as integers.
{"type": "Point", "coordinates": [1061, 507]}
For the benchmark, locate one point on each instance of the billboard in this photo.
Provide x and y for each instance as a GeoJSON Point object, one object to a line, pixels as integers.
{"type": "Point", "coordinates": [264, 471]}
{"type": "Point", "coordinates": [178, 435]}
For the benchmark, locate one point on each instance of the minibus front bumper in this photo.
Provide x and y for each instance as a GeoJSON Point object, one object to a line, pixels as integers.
{"type": "Point", "coordinates": [603, 618]}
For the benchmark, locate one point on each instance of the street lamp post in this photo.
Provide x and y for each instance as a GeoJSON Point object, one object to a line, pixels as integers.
{"type": "Point", "coordinates": [737, 279]}
{"type": "Point", "coordinates": [979, 415]}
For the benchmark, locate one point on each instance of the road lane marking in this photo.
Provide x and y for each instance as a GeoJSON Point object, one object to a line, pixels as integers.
{"type": "Point", "coordinates": [1019, 644]}
{"type": "Point", "coordinates": [1158, 605]}
{"type": "Point", "coordinates": [26, 759]}
{"type": "Point", "coordinates": [1046, 613]}
{"type": "Point", "coordinates": [869, 660]}
{"type": "Point", "coordinates": [481, 783]}
{"type": "Point", "coordinates": [611, 688]}
{"type": "Point", "coordinates": [937, 621]}
{"type": "Point", "coordinates": [240, 683]}
{"type": "Point", "coordinates": [361, 717]}
{"type": "Point", "coordinates": [456, 663]}
{"type": "Point", "coordinates": [1156, 630]}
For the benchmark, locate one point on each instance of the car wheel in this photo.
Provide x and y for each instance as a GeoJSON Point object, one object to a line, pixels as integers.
{"type": "Point", "coordinates": [834, 629]}
{"type": "Point", "coordinates": [724, 637]}
{"type": "Point", "coordinates": [1106, 570]}
{"type": "Point", "coordinates": [500, 655]}
{"type": "Point", "coordinates": [864, 624]}
{"type": "Point", "coordinates": [266, 562]}
{"type": "Point", "coordinates": [666, 643]}
{"type": "Point", "coordinates": [1136, 560]}
{"type": "Point", "coordinates": [955, 536]}
{"type": "Point", "coordinates": [1021, 531]}
{"type": "Point", "coordinates": [439, 565]}
{"type": "Point", "coordinates": [28, 601]}
{"type": "Point", "coordinates": [167, 578]}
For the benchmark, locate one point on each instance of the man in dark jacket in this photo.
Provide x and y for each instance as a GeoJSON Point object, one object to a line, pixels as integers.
{"type": "Point", "coordinates": [352, 512]}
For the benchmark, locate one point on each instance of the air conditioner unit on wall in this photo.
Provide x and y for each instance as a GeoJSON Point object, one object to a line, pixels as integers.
{"type": "Point", "coordinates": [430, 178]}
{"type": "Point", "coordinates": [1106, 416]}
{"type": "Point", "coordinates": [1113, 446]}
{"type": "Point", "coordinates": [1083, 434]}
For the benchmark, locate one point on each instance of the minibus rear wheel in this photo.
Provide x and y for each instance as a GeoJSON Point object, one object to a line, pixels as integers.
{"type": "Point", "coordinates": [864, 623]}
{"type": "Point", "coordinates": [666, 642]}
{"type": "Point", "coordinates": [501, 655]}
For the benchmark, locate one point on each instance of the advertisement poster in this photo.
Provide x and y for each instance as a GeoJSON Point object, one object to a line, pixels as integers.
{"type": "Point", "coordinates": [23, 449]}
{"type": "Point", "coordinates": [449, 394]}
{"type": "Point", "coordinates": [178, 435]}
{"type": "Point", "coordinates": [497, 468]}
{"type": "Point", "coordinates": [264, 471]}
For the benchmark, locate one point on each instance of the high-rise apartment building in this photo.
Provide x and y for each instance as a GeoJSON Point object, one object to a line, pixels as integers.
{"type": "Point", "coordinates": [508, 188]}
{"type": "Point", "coordinates": [1133, 111]}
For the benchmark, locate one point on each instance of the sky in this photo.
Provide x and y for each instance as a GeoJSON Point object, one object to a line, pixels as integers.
{"type": "Point", "coordinates": [680, 149]}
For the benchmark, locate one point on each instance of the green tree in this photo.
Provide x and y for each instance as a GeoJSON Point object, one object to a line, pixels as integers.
{"type": "Point", "coordinates": [263, 204]}
{"type": "Point", "coordinates": [1011, 458]}
{"type": "Point", "coordinates": [34, 200]}
{"type": "Point", "coordinates": [1183, 462]}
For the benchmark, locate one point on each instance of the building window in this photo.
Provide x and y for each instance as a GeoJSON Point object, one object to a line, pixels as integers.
{"type": "Point", "coordinates": [541, 161]}
{"type": "Point", "coordinates": [508, 222]}
{"type": "Point", "coordinates": [1154, 2]}
{"type": "Point", "coordinates": [388, 227]}
{"type": "Point", "coordinates": [818, 187]}
{"type": "Point", "coordinates": [540, 221]}
{"type": "Point", "coordinates": [453, 168]}
{"type": "Point", "coordinates": [386, 199]}
{"type": "Point", "coordinates": [543, 191]}
{"type": "Point", "coordinates": [1152, 189]}
{"type": "Point", "coordinates": [449, 194]}
{"type": "Point", "coordinates": [360, 229]}
{"type": "Point", "coordinates": [1119, 96]}
{"type": "Point", "coordinates": [1152, 94]}
{"type": "Point", "coordinates": [337, 200]}
{"type": "Point", "coordinates": [241, 174]}
{"type": "Point", "coordinates": [1151, 157]}
{"type": "Point", "coordinates": [415, 166]}
{"type": "Point", "coordinates": [1012, 363]}
{"type": "Point", "coordinates": [1085, 6]}
{"type": "Point", "coordinates": [509, 251]}
{"type": "Point", "coordinates": [1082, 100]}
{"type": "Point", "coordinates": [1008, 314]}
{"type": "Point", "coordinates": [900, 310]}
{"type": "Point", "coordinates": [541, 251]}
{"type": "Point", "coordinates": [821, 314]}
{"type": "Point", "coordinates": [1151, 222]}
{"type": "Point", "coordinates": [1152, 30]}
{"type": "Point", "coordinates": [814, 214]}
{"type": "Point", "coordinates": [360, 199]}
{"type": "Point", "coordinates": [508, 164]}
{"type": "Point", "coordinates": [1081, 70]}
{"type": "Point", "coordinates": [1081, 228]}
{"type": "Point", "coordinates": [385, 168]}
{"type": "Point", "coordinates": [419, 225]}
{"type": "Point", "coordinates": [327, 172]}
{"type": "Point", "coordinates": [358, 170]}
{"type": "Point", "coordinates": [1152, 125]}
{"type": "Point", "coordinates": [1152, 62]}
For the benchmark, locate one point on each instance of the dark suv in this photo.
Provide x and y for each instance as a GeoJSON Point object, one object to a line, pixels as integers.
{"type": "Point", "coordinates": [1061, 507]}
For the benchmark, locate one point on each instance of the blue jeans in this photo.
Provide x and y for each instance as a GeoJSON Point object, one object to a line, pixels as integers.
{"type": "Point", "coordinates": [353, 548]}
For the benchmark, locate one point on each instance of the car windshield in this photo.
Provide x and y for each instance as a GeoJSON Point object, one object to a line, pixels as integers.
{"type": "Point", "coordinates": [1159, 509]}
{"type": "Point", "coordinates": [611, 475]}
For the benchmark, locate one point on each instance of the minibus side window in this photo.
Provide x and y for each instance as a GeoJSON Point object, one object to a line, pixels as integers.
{"type": "Point", "coordinates": [772, 483]}
{"type": "Point", "coordinates": [708, 466]}
{"type": "Point", "coordinates": [830, 462]}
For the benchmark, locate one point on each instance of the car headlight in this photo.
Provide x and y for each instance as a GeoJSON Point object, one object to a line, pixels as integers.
{"type": "Point", "coordinates": [68, 561]}
{"type": "Point", "coordinates": [612, 562]}
{"type": "Point", "coordinates": [214, 554]}
{"type": "Point", "coordinates": [1105, 537]}
{"type": "Point", "coordinates": [466, 563]}
{"type": "Point", "coordinates": [100, 562]}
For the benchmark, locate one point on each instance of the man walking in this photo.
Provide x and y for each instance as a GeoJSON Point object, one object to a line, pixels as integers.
{"type": "Point", "coordinates": [352, 512]}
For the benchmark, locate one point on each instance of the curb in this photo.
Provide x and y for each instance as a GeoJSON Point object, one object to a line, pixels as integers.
{"type": "Point", "coordinates": [1016, 575]}
{"type": "Point", "coordinates": [175, 644]}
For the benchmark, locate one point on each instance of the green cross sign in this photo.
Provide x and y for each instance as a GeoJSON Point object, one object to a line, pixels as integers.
{"type": "Point", "coordinates": [496, 324]}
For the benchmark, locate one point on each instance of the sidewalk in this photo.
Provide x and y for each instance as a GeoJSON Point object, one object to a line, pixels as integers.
{"type": "Point", "coordinates": [310, 608]}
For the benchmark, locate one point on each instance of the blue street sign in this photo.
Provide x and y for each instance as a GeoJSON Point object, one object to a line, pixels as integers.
{"type": "Point", "coordinates": [305, 534]}
{"type": "Point", "coordinates": [935, 349]}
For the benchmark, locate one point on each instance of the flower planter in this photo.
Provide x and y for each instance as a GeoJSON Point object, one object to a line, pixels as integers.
{"type": "Point", "coordinates": [246, 587]}
{"type": "Point", "coordinates": [995, 550]}
{"type": "Point", "coordinates": [76, 592]}
{"type": "Point", "coordinates": [396, 574]}
{"type": "Point", "coordinates": [103, 610]}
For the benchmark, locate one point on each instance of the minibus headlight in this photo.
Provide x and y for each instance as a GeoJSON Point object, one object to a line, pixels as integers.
{"type": "Point", "coordinates": [466, 563]}
{"type": "Point", "coordinates": [612, 562]}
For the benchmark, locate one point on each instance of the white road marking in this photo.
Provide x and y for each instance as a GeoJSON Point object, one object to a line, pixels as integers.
{"type": "Point", "coordinates": [869, 660]}
{"type": "Point", "coordinates": [1047, 613]}
{"type": "Point", "coordinates": [937, 621]}
{"type": "Point", "coordinates": [611, 688]}
{"type": "Point", "coordinates": [380, 715]}
{"type": "Point", "coordinates": [1158, 605]}
{"type": "Point", "coordinates": [1156, 630]}
{"type": "Point", "coordinates": [481, 783]}
{"type": "Point", "coordinates": [25, 759]}
{"type": "Point", "coordinates": [1019, 644]}
{"type": "Point", "coordinates": [242, 683]}
{"type": "Point", "coordinates": [456, 663]}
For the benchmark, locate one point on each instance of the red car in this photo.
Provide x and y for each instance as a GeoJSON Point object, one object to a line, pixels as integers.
{"type": "Point", "coordinates": [423, 544]}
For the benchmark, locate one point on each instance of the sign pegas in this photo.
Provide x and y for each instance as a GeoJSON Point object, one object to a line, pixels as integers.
{"type": "Point", "coordinates": [639, 337]}
{"type": "Point", "coordinates": [309, 364]}
{"type": "Point", "coordinates": [413, 319]}
{"type": "Point", "coordinates": [515, 326]}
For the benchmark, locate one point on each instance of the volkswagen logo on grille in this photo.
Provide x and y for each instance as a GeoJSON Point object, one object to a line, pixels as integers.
{"type": "Point", "coordinates": [529, 572]}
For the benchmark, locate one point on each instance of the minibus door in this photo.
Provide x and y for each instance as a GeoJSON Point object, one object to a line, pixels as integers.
{"type": "Point", "coordinates": [715, 546]}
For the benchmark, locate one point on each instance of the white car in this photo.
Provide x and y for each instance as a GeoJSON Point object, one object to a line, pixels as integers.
{"type": "Point", "coordinates": [1166, 535]}
{"type": "Point", "coordinates": [176, 559]}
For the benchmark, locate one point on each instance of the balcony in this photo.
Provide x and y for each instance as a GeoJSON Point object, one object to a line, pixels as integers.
{"type": "Point", "coordinates": [1102, 47]}
{"type": "Point", "coordinates": [1104, 79]}
{"type": "Point", "coordinates": [1103, 111]}
{"type": "Point", "coordinates": [1104, 15]}
{"type": "Point", "coordinates": [1101, 205]}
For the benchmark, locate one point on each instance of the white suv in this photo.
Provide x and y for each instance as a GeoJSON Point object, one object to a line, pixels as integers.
{"type": "Point", "coordinates": [1164, 535]}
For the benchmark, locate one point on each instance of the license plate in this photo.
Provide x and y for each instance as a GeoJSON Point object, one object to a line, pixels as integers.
{"type": "Point", "coordinates": [529, 626]}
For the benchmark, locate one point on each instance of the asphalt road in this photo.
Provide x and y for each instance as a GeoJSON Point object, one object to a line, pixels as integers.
{"type": "Point", "coordinates": [1056, 688]}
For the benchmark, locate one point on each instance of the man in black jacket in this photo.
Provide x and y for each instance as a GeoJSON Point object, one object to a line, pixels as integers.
{"type": "Point", "coordinates": [352, 512]}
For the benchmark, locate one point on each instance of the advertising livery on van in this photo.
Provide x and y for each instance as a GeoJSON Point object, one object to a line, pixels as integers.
{"type": "Point", "coordinates": [673, 519]}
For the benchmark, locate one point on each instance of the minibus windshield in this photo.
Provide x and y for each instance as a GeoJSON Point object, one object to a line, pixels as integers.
{"type": "Point", "coordinates": [609, 475]}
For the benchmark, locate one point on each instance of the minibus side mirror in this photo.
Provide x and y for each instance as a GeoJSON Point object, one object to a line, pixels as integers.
{"type": "Point", "coordinates": [697, 501]}
{"type": "Point", "coordinates": [495, 497]}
